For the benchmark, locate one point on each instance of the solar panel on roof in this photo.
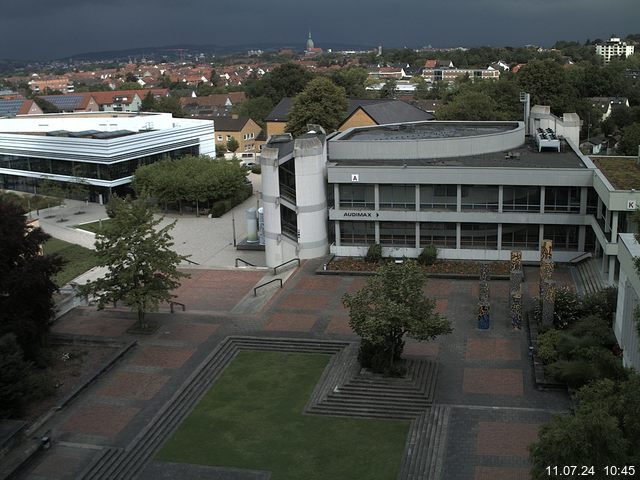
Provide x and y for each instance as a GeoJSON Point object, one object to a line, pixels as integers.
{"type": "Point", "coordinates": [64, 102]}
{"type": "Point", "coordinates": [10, 107]}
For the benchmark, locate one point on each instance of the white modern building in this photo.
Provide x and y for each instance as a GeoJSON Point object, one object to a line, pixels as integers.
{"type": "Point", "coordinates": [614, 48]}
{"type": "Point", "coordinates": [100, 149]}
{"type": "Point", "coordinates": [475, 190]}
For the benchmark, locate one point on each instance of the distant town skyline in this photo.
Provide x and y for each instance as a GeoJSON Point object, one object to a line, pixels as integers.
{"type": "Point", "coordinates": [65, 28]}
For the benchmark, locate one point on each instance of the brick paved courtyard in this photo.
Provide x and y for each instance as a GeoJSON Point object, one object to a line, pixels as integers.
{"type": "Point", "coordinates": [484, 375]}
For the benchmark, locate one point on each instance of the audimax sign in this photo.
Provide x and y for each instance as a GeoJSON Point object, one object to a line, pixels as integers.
{"type": "Point", "coordinates": [361, 214]}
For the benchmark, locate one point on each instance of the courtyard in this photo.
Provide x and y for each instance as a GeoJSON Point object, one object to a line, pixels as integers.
{"type": "Point", "coordinates": [484, 399]}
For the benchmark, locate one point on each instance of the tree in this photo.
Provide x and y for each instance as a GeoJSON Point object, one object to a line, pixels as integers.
{"type": "Point", "coordinates": [547, 82]}
{"type": "Point", "coordinates": [286, 80]}
{"type": "Point", "coordinates": [322, 102]}
{"type": "Point", "coordinates": [352, 79]}
{"type": "Point", "coordinates": [630, 140]}
{"type": "Point", "coordinates": [14, 374]}
{"type": "Point", "coordinates": [391, 305]}
{"type": "Point", "coordinates": [143, 269]}
{"type": "Point", "coordinates": [388, 90]}
{"type": "Point", "coordinates": [578, 440]}
{"type": "Point", "coordinates": [232, 145]}
{"type": "Point", "coordinates": [26, 287]}
{"type": "Point", "coordinates": [148, 103]}
{"type": "Point", "coordinates": [256, 109]}
{"type": "Point", "coordinates": [468, 105]}
{"type": "Point", "coordinates": [603, 430]}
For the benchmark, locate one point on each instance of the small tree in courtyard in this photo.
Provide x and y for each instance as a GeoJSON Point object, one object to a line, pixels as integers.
{"type": "Point", "coordinates": [391, 305]}
{"type": "Point", "coordinates": [232, 145]}
{"type": "Point", "coordinates": [142, 266]}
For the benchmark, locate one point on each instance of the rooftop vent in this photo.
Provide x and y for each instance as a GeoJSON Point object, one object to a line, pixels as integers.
{"type": "Point", "coordinates": [281, 138]}
{"type": "Point", "coordinates": [547, 138]}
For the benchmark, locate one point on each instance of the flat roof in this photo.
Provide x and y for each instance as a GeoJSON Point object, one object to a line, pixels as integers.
{"type": "Point", "coordinates": [622, 172]}
{"type": "Point", "coordinates": [427, 130]}
{"type": "Point", "coordinates": [525, 156]}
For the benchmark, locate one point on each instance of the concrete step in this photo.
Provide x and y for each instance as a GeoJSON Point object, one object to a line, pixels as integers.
{"type": "Point", "coordinates": [378, 402]}
{"type": "Point", "coordinates": [340, 411]}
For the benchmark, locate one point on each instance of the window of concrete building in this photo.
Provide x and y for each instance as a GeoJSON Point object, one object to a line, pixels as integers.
{"type": "Point", "coordinates": [289, 222]}
{"type": "Point", "coordinates": [439, 234]}
{"type": "Point", "coordinates": [479, 235]}
{"type": "Point", "coordinates": [592, 201]}
{"type": "Point", "coordinates": [562, 199]}
{"type": "Point", "coordinates": [61, 167]}
{"type": "Point", "coordinates": [357, 196]}
{"type": "Point", "coordinates": [401, 197]}
{"type": "Point", "coordinates": [564, 237]}
{"type": "Point", "coordinates": [287, 176]}
{"type": "Point", "coordinates": [438, 197]}
{"type": "Point", "coordinates": [521, 199]}
{"type": "Point", "coordinates": [480, 197]}
{"type": "Point", "coordinates": [398, 234]}
{"type": "Point", "coordinates": [357, 233]}
{"type": "Point", "coordinates": [520, 236]}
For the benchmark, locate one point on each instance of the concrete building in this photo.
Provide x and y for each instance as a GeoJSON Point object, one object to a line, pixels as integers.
{"type": "Point", "coordinates": [625, 327]}
{"type": "Point", "coordinates": [614, 48]}
{"type": "Point", "coordinates": [101, 150]}
{"type": "Point", "coordinates": [475, 190]}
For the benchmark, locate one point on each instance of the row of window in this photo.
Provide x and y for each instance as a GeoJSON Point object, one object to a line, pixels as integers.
{"type": "Point", "coordinates": [472, 235]}
{"type": "Point", "coordinates": [473, 197]}
{"type": "Point", "coordinates": [73, 168]}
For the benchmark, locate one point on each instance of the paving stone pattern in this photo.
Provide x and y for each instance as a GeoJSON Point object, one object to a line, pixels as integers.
{"type": "Point", "coordinates": [482, 413]}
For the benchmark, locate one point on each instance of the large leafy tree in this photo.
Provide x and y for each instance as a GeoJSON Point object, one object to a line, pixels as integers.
{"type": "Point", "coordinates": [26, 287]}
{"type": "Point", "coordinates": [547, 82]}
{"type": "Point", "coordinates": [143, 268]}
{"type": "Point", "coordinates": [286, 80]}
{"type": "Point", "coordinates": [14, 377]}
{"type": "Point", "coordinates": [603, 430]}
{"type": "Point", "coordinates": [322, 102]}
{"type": "Point", "coordinates": [630, 141]}
{"type": "Point", "coordinates": [391, 305]}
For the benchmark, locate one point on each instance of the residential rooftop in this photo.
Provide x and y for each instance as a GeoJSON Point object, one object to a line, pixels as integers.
{"type": "Point", "coordinates": [622, 172]}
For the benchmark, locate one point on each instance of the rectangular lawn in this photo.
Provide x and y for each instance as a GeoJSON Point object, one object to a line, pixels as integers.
{"type": "Point", "coordinates": [78, 259]}
{"type": "Point", "coordinates": [253, 418]}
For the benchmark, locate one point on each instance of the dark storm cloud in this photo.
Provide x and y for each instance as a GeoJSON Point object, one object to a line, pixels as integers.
{"type": "Point", "coordinates": [57, 28]}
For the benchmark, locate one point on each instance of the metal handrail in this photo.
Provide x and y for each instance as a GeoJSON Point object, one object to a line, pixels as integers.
{"type": "Point", "coordinates": [285, 263]}
{"type": "Point", "coordinates": [172, 304]}
{"type": "Point", "coordinates": [244, 261]}
{"type": "Point", "coordinates": [581, 257]}
{"type": "Point", "coordinates": [255, 290]}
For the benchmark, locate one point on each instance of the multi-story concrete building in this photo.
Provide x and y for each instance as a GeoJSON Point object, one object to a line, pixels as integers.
{"type": "Point", "coordinates": [475, 190]}
{"type": "Point", "coordinates": [625, 327]}
{"type": "Point", "coordinates": [614, 48]}
{"type": "Point", "coordinates": [101, 150]}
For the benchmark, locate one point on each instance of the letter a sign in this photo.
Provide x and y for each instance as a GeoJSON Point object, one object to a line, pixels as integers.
{"type": "Point", "coordinates": [355, 177]}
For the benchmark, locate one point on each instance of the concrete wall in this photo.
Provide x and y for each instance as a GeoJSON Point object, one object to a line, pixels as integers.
{"type": "Point", "coordinates": [357, 119]}
{"type": "Point", "coordinates": [311, 203]}
{"type": "Point", "coordinates": [430, 147]}
{"type": "Point", "coordinates": [628, 294]}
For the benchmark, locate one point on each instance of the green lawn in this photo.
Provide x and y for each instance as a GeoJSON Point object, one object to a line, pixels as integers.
{"type": "Point", "coordinates": [79, 259]}
{"type": "Point", "coordinates": [252, 418]}
{"type": "Point", "coordinates": [93, 226]}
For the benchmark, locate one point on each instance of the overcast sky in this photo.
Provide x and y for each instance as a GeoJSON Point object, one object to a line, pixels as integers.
{"type": "Point", "coordinates": [43, 29]}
